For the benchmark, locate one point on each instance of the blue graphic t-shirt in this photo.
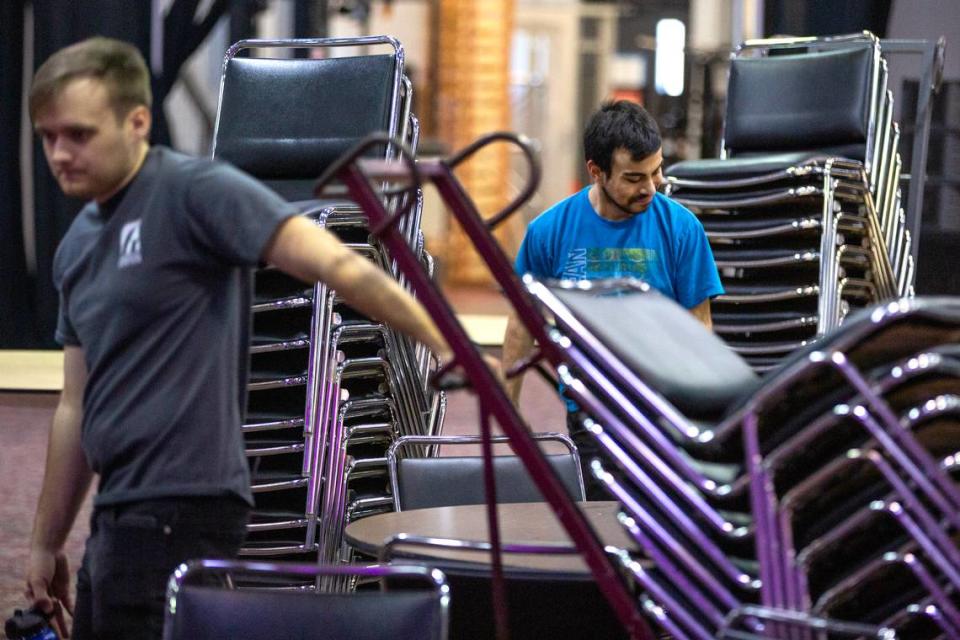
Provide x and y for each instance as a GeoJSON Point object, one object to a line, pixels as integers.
{"type": "Point", "coordinates": [664, 246]}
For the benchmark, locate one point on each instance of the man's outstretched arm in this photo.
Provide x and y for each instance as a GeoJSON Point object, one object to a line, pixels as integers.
{"type": "Point", "coordinates": [702, 313]}
{"type": "Point", "coordinates": [66, 481]}
{"type": "Point", "coordinates": [308, 252]}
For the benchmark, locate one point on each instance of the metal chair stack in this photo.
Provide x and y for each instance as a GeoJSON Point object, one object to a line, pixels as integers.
{"type": "Point", "coordinates": [329, 389]}
{"type": "Point", "coordinates": [823, 492]}
{"type": "Point", "coordinates": [803, 209]}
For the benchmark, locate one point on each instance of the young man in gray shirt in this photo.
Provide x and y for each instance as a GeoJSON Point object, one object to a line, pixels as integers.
{"type": "Point", "coordinates": [155, 294]}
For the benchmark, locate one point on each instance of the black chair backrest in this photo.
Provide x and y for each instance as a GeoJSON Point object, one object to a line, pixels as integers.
{"type": "Point", "coordinates": [210, 613]}
{"type": "Point", "coordinates": [451, 481]}
{"type": "Point", "coordinates": [808, 101]}
{"type": "Point", "coordinates": [288, 119]}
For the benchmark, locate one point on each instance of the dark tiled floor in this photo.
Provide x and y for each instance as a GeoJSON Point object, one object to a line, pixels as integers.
{"type": "Point", "coordinates": [24, 424]}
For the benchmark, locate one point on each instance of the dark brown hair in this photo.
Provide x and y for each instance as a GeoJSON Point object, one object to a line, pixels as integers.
{"type": "Point", "coordinates": [117, 64]}
{"type": "Point", "coordinates": [620, 124]}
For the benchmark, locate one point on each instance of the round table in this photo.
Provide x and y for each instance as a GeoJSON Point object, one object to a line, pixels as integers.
{"type": "Point", "coordinates": [530, 523]}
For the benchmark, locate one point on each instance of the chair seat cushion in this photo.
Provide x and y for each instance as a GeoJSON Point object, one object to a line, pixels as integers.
{"type": "Point", "coordinates": [451, 481]}
{"type": "Point", "coordinates": [755, 164]}
{"type": "Point", "coordinates": [666, 347]}
{"type": "Point", "coordinates": [743, 167]}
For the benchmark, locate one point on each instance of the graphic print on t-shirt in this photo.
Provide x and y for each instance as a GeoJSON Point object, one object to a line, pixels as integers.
{"type": "Point", "coordinates": [596, 262]}
{"type": "Point", "coordinates": [130, 252]}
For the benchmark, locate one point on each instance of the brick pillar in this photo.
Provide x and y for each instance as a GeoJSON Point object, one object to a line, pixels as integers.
{"type": "Point", "coordinates": [472, 73]}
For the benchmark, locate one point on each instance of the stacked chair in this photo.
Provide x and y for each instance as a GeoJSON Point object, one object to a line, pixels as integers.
{"type": "Point", "coordinates": [329, 389]}
{"type": "Point", "coordinates": [816, 501]}
{"type": "Point", "coordinates": [824, 490]}
{"type": "Point", "coordinates": [450, 480]}
{"type": "Point", "coordinates": [803, 209]}
{"type": "Point", "coordinates": [199, 607]}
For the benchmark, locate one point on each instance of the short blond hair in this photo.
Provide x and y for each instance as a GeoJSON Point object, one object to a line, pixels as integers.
{"type": "Point", "coordinates": [117, 64]}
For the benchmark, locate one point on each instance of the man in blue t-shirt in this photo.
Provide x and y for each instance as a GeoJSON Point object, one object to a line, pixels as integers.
{"type": "Point", "coordinates": [619, 226]}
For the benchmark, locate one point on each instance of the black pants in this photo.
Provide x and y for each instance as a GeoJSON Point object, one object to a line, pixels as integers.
{"type": "Point", "coordinates": [133, 549]}
{"type": "Point", "coordinates": [589, 450]}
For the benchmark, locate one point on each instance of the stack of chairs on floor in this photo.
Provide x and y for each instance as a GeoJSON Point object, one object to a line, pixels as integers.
{"type": "Point", "coordinates": [823, 493]}
{"type": "Point", "coordinates": [329, 390]}
{"type": "Point", "coordinates": [803, 209]}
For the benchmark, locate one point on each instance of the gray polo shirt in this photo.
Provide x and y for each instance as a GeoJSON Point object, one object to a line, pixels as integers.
{"type": "Point", "coordinates": [156, 289]}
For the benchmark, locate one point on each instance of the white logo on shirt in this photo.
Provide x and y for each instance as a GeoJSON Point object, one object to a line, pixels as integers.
{"type": "Point", "coordinates": [130, 245]}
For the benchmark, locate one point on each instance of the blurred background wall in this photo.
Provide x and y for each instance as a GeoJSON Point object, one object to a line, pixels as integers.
{"type": "Point", "coordinates": [538, 67]}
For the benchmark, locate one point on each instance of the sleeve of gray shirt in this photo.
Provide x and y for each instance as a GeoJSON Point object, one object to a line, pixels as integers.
{"type": "Point", "coordinates": [232, 215]}
{"type": "Point", "coordinates": [72, 242]}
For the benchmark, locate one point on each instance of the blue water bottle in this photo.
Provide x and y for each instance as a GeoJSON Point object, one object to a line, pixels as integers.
{"type": "Point", "coordinates": [29, 625]}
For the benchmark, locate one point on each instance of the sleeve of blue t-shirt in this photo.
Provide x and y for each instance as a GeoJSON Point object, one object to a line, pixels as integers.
{"type": "Point", "coordinates": [697, 278]}
{"type": "Point", "coordinates": [533, 257]}
{"type": "Point", "coordinates": [232, 215]}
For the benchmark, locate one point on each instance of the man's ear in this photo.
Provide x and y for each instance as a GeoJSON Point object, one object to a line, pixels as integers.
{"type": "Point", "coordinates": [596, 173]}
{"type": "Point", "coordinates": [140, 120]}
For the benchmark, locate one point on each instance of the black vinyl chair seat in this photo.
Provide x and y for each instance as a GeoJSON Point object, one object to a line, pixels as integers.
{"type": "Point", "coordinates": [759, 219]}
{"type": "Point", "coordinates": [267, 444]}
{"type": "Point", "coordinates": [726, 317]}
{"type": "Point", "coordinates": [262, 339]}
{"type": "Point", "coordinates": [766, 197]}
{"type": "Point", "coordinates": [766, 258]}
{"type": "Point", "coordinates": [774, 222]}
{"type": "Point", "coordinates": [452, 480]}
{"type": "Point", "coordinates": [746, 304]}
{"type": "Point", "coordinates": [272, 417]}
{"type": "Point", "coordinates": [765, 348]}
{"type": "Point", "coordinates": [749, 255]}
{"type": "Point", "coordinates": [761, 364]}
{"type": "Point", "coordinates": [314, 206]}
{"type": "Point", "coordinates": [771, 290]}
{"type": "Point", "coordinates": [665, 345]}
{"type": "Point", "coordinates": [273, 514]}
{"type": "Point", "coordinates": [261, 376]}
{"type": "Point", "coordinates": [771, 326]}
{"type": "Point", "coordinates": [278, 297]}
{"type": "Point", "coordinates": [772, 164]}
